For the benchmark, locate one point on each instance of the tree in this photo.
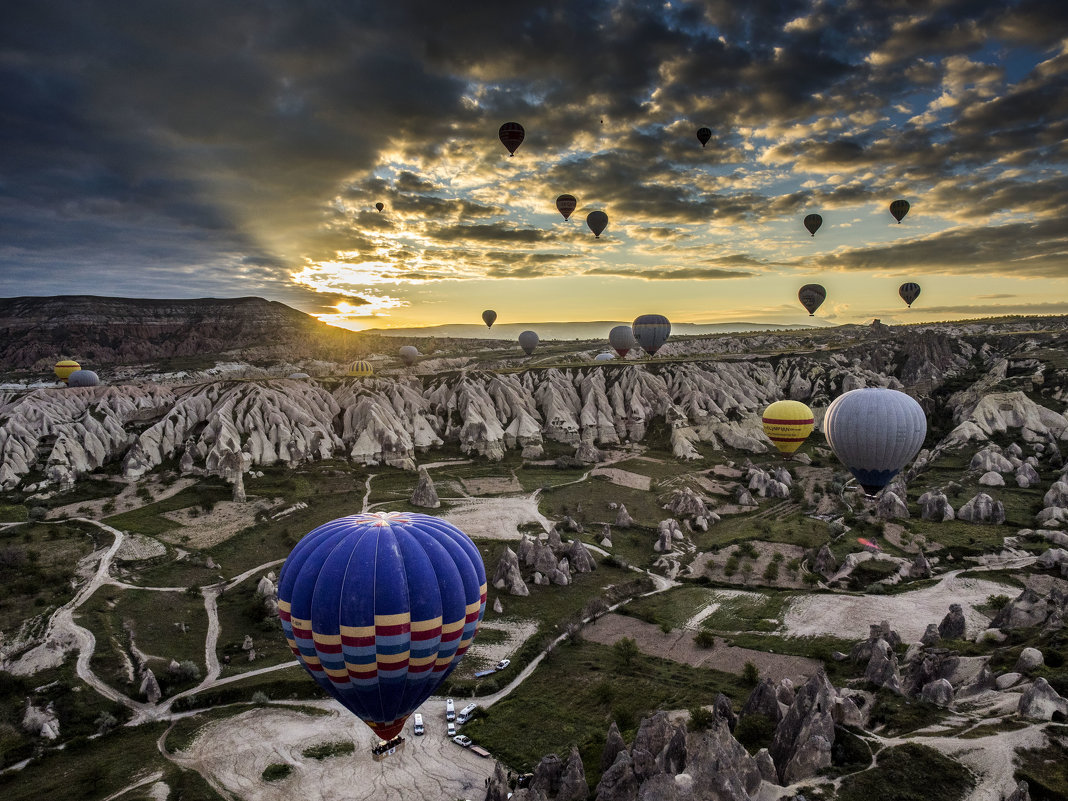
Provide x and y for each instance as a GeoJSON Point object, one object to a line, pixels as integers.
{"type": "Point", "coordinates": [701, 718]}
{"type": "Point", "coordinates": [704, 639]}
{"type": "Point", "coordinates": [626, 649]}
{"type": "Point", "coordinates": [750, 674]}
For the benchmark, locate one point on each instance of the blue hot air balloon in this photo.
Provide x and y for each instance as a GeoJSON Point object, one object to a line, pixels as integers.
{"type": "Point", "coordinates": [875, 432]}
{"type": "Point", "coordinates": [379, 608]}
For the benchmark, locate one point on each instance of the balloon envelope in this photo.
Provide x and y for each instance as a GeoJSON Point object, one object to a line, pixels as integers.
{"type": "Point", "coordinates": [703, 135]}
{"type": "Point", "coordinates": [361, 369]}
{"type": "Point", "coordinates": [489, 317]}
{"type": "Point", "coordinates": [511, 135]}
{"type": "Point", "coordinates": [875, 432]}
{"type": "Point", "coordinates": [408, 354]}
{"type": "Point", "coordinates": [787, 423]}
{"type": "Point", "coordinates": [621, 338]}
{"type": "Point", "coordinates": [380, 608]}
{"type": "Point", "coordinates": [597, 221]}
{"type": "Point", "coordinates": [604, 357]}
{"type": "Point", "coordinates": [528, 340]}
{"type": "Point", "coordinates": [899, 208]}
{"type": "Point", "coordinates": [64, 368]}
{"type": "Point", "coordinates": [565, 204]}
{"type": "Point", "coordinates": [380, 206]}
{"type": "Point", "coordinates": [651, 331]}
{"type": "Point", "coordinates": [83, 378]}
{"type": "Point", "coordinates": [909, 292]}
{"type": "Point", "coordinates": [813, 223]}
{"type": "Point", "coordinates": [812, 297]}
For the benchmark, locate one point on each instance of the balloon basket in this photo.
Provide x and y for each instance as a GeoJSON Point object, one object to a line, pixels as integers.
{"type": "Point", "coordinates": [387, 748]}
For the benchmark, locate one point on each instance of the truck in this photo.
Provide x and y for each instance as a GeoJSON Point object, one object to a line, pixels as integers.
{"type": "Point", "coordinates": [450, 710]}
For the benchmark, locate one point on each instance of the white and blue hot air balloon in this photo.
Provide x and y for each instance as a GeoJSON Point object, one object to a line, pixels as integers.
{"type": "Point", "coordinates": [875, 432]}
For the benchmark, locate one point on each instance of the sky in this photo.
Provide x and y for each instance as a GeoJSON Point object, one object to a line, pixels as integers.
{"type": "Point", "coordinates": [224, 149]}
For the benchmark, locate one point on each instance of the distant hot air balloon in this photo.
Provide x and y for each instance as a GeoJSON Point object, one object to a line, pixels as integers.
{"type": "Point", "coordinates": [380, 206]}
{"type": "Point", "coordinates": [703, 135]}
{"type": "Point", "coordinates": [597, 221]}
{"type": "Point", "coordinates": [361, 369]}
{"type": "Point", "coordinates": [812, 297]}
{"type": "Point", "coordinates": [604, 357]}
{"type": "Point", "coordinates": [651, 331]}
{"type": "Point", "coordinates": [528, 340]}
{"type": "Point", "coordinates": [64, 368]}
{"type": "Point", "coordinates": [787, 423]}
{"type": "Point", "coordinates": [511, 135]}
{"type": "Point", "coordinates": [408, 354]}
{"type": "Point", "coordinates": [621, 338]}
{"type": "Point", "coordinates": [909, 291]}
{"type": "Point", "coordinates": [813, 223]}
{"type": "Point", "coordinates": [489, 317]}
{"type": "Point", "coordinates": [875, 432]}
{"type": "Point", "coordinates": [899, 208]}
{"type": "Point", "coordinates": [379, 609]}
{"type": "Point", "coordinates": [565, 204]}
{"type": "Point", "coordinates": [83, 378]}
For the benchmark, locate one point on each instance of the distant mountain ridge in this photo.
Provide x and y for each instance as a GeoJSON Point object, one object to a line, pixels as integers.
{"type": "Point", "coordinates": [565, 331]}
{"type": "Point", "coordinates": [35, 331]}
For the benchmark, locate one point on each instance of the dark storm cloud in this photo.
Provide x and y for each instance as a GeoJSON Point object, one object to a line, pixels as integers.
{"type": "Point", "coordinates": [1034, 249]}
{"type": "Point", "coordinates": [215, 147]}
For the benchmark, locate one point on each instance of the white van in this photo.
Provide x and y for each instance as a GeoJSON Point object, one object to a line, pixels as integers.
{"type": "Point", "coordinates": [418, 723]}
{"type": "Point", "coordinates": [450, 729]}
{"type": "Point", "coordinates": [466, 713]}
{"type": "Point", "coordinates": [450, 710]}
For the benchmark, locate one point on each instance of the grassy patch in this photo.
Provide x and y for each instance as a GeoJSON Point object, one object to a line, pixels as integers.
{"type": "Point", "coordinates": [37, 565]}
{"type": "Point", "coordinates": [820, 648]}
{"type": "Point", "coordinates": [675, 606]}
{"type": "Point", "coordinates": [12, 513]}
{"type": "Point", "coordinates": [276, 771]}
{"type": "Point", "coordinates": [156, 620]}
{"type": "Point", "coordinates": [990, 729]}
{"type": "Point", "coordinates": [756, 611]}
{"type": "Point", "coordinates": [150, 520]}
{"type": "Point", "coordinates": [578, 690]}
{"type": "Point", "coordinates": [95, 769]}
{"type": "Point", "coordinates": [327, 750]}
{"type": "Point", "coordinates": [909, 772]}
{"type": "Point", "coordinates": [242, 612]}
{"type": "Point", "coordinates": [902, 715]}
{"type": "Point", "coordinates": [793, 529]}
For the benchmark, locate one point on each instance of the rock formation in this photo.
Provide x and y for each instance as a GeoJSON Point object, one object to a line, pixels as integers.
{"type": "Point", "coordinates": [935, 506]}
{"type": "Point", "coordinates": [425, 495]}
{"type": "Point", "coordinates": [953, 625]}
{"type": "Point", "coordinates": [982, 509]}
{"type": "Point", "coordinates": [805, 735]}
{"type": "Point", "coordinates": [1041, 702]}
{"type": "Point", "coordinates": [507, 576]}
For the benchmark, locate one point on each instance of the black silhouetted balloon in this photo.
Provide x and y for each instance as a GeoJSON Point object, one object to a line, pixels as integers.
{"type": "Point", "coordinates": [909, 291]}
{"type": "Point", "coordinates": [812, 297]}
{"type": "Point", "coordinates": [565, 204]}
{"type": "Point", "coordinates": [899, 208]}
{"type": "Point", "coordinates": [703, 135]}
{"type": "Point", "coordinates": [511, 134]}
{"type": "Point", "coordinates": [597, 221]}
{"type": "Point", "coordinates": [813, 223]}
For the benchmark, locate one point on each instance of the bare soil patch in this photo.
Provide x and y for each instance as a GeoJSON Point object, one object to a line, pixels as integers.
{"type": "Point", "coordinates": [206, 529]}
{"type": "Point", "coordinates": [495, 518]}
{"type": "Point", "coordinates": [125, 500]}
{"type": "Point", "coordinates": [624, 478]}
{"type": "Point", "coordinates": [712, 565]}
{"type": "Point", "coordinates": [233, 754]}
{"type": "Point", "coordinates": [678, 646]}
{"type": "Point", "coordinates": [495, 485]}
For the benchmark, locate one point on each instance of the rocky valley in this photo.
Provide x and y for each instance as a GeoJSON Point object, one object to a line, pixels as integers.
{"type": "Point", "coordinates": [684, 613]}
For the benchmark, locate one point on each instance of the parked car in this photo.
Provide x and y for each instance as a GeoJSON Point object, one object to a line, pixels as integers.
{"type": "Point", "coordinates": [503, 664]}
{"type": "Point", "coordinates": [461, 739]}
{"type": "Point", "coordinates": [418, 728]}
{"type": "Point", "coordinates": [450, 710]}
{"type": "Point", "coordinates": [450, 729]}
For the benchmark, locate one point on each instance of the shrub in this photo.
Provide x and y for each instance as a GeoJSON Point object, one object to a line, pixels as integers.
{"type": "Point", "coordinates": [665, 627]}
{"type": "Point", "coordinates": [996, 602]}
{"type": "Point", "coordinates": [754, 731]}
{"type": "Point", "coordinates": [260, 697]}
{"type": "Point", "coordinates": [276, 772]}
{"type": "Point", "coordinates": [750, 674]}
{"type": "Point", "coordinates": [701, 718]}
{"type": "Point", "coordinates": [326, 750]}
{"type": "Point", "coordinates": [625, 649]}
{"type": "Point", "coordinates": [771, 572]}
{"type": "Point", "coordinates": [731, 567]}
{"type": "Point", "coordinates": [704, 639]}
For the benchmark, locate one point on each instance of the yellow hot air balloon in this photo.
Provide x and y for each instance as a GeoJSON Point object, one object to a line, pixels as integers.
{"type": "Point", "coordinates": [787, 423]}
{"type": "Point", "coordinates": [64, 368]}
{"type": "Point", "coordinates": [361, 369]}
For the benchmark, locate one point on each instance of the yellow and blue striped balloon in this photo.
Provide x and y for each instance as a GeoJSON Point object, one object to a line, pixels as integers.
{"type": "Point", "coordinates": [787, 423]}
{"type": "Point", "coordinates": [380, 608]}
{"type": "Point", "coordinates": [361, 369]}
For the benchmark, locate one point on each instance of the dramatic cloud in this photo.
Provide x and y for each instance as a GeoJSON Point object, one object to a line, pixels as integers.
{"type": "Point", "coordinates": [194, 148]}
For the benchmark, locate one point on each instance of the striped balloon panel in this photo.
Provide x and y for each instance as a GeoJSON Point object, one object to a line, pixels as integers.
{"type": "Point", "coordinates": [379, 609]}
